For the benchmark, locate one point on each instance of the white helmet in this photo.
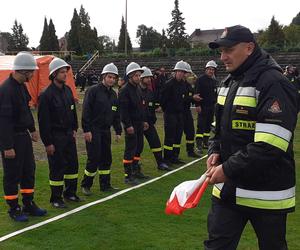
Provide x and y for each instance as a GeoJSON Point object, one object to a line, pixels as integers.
{"type": "Point", "coordinates": [181, 65]}
{"type": "Point", "coordinates": [110, 68]}
{"type": "Point", "coordinates": [132, 67]}
{"type": "Point", "coordinates": [212, 64]}
{"type": "Point", "coordinates": [24, 61]}
{"type": "Point", "coordinates": [147, 72]}
{"type": "Point", "coordinates": [188, 68]}
{"type": "Point", "coordinates": [57, 64]}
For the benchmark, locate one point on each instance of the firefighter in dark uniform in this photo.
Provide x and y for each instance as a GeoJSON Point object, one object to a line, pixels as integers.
{"type": "Point", "coordinates": [206, 86]}
{"type": "Point", "coordinates": [133, 118]}
{"type": "Point", "coordinates": [151, 103]}
{"type": "Point", "coordinates": [188, 120]}
{"type": "Point", "coordinates": [93, 78]}
{"type": "Point", "coordinates": [17, 131]}
{"type": "Point", "coordinates": [172, 97]}
{"type": "Point", "coordinates": [100, 111]}
{"type": "Point", "coordinates": [292, 75]}
{"type": "Point", "coordinates": [58, 125]}
{"type": "Point", "coordinates": [251, 159]}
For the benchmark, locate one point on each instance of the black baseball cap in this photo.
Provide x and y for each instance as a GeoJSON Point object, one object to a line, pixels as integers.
{"type": "Point", "coordinates": [232, 36]}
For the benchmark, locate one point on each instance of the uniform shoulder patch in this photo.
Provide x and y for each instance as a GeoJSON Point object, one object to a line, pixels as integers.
{"type": "Point", "coordinates": [275, 107]}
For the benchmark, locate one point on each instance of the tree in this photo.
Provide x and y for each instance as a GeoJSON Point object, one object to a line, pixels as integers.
{"type": "Point", "coordinates": [121, 43]}
{"type": "Point", "coordinates": [44, 41]}
{"type": "Point", "coordinates": [275, 35]}
{"type": "Point", "coordinates": [149, 38]}
{"type": "Point", "coordinates": [74, 34]}
{"type": "Point", "coordinates": [106, 44]}
{"type": "Point", "coordinates": [292, 35]}
{"type": "Point", "coordinates": [296, 19]}
{"type": "Point", "coordinates": [53, 42]}
{"type": "Point", "coordinates": [164, 42]}
{"type": "Point", "coordinates": [176, 31]}
{"type": "Point", "coordinates": [19, 38]}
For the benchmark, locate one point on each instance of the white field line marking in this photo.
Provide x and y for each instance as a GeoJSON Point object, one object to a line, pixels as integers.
{"type": "Point", "coordinates": [75, 210]}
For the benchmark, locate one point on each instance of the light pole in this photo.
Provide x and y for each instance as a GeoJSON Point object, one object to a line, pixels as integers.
{"type": "Point", "coordinates": [126, 28]}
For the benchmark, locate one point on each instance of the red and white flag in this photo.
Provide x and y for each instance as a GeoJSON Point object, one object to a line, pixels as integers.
{"type": "Point", "coordinates": [186, 195]}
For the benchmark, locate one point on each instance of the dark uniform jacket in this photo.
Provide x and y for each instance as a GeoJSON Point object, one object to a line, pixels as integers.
{"type": "Point", "coordinates": [172, 96]}
{"type": "Point", "coordinates": [132, 105]}
{"type": "Point", "coordinates": [188, 100]}
{"type": "Point", "coordinates": [151, 104]}
{"type": "Point", "coordinates": [256, 114]}
{"type": "Point", "coordinates": [56, 112]}
{"type": "Point", "coordinates": [207, 88]}
{"type": "Point", "coordinates": [15, 114]}
{"type": "Point", "coordinates": [100, 109]}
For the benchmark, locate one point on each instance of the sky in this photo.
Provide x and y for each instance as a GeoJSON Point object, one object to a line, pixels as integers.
{"type": "Point", "coordinates": [106, 15]}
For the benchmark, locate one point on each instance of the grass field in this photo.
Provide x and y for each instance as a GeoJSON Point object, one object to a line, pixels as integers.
{"type": "Point", "coordinates": [135, 220]}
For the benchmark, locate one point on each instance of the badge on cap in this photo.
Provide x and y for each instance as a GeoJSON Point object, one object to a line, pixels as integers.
{"type": "Point", "coordinates": [275, 107]}
{"type": "Point", "coordinates": [224, 34]}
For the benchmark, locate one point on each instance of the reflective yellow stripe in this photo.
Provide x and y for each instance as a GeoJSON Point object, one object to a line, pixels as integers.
{"type": "Point", "coordinates": [87, 173]}
{"type": "Point", "coordinates": [199, 135]}
{"type": "Point", "coordinates": [114, 108]}
{"type": "Point", "coordinates": [56, 183]}
{"type": "Point", "coordinates": [190, 142]}
{"type": "Point", "coordinates": [264, 204]}
{"type": "Point", "coordinates": [150, 104]}
{"type": "Point", "coordinates": [206, 134]}
{"type": "Point", "coordinates": [271, 139]}
{"type": "Point", "coordinates": [156, 150]}
{"type": "Point", "coordinates": [176, 145]}
{"type": "Point", "coordinates": [70, 176]}
{"type": "Point", "coordinates": [216, 192]}
{"type": "Point", "coordinates": [243, 125]}
{"type": "Point", "coordinates": [168, 147]}
{"type": "Point", "coordinates": [221, 100]}
{"type": "Point", "coordinates": [104, 172]}
{"type": "Point", "coordinates": [125, 175]}
{"type": "Point", "coordinates": [245, 101]}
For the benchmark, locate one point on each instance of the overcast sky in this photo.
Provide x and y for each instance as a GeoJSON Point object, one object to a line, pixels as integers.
{"type": "Point", "coordinates": [106, 15]}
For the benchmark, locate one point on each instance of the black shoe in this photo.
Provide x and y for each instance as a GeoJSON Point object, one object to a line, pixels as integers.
{"type": "Point", "coordinates": [140, 175]}
{"type": "Point", "coordinates": [163, 166]}
{"type": "Point", "coordinates": [17, 214]}
{"type": "Point", "coordinates": [177, 161]}
{"type": "Point", "coordinates": [193, 154]}
{"type": "Point", "coordinates": [59, 204]}
{"type": "Point", "coordinates": [33, 210]}
{"type": "Point", "coordinates": [109, 189]}
{"type": "Point", "coordinates": [73, 198]}
{"type": "Point", "coordinates": [86, 191]}
{"type": "Point", "coordinates": [131, 181]}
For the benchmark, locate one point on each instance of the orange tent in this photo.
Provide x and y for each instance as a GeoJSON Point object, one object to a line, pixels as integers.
{"type": "Point", "coordinates": [40, 78]}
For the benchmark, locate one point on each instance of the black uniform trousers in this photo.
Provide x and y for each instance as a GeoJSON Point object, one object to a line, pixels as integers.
{"type": "Point", "coordinates": [173, 124]}
{"type": "Point", "coordinates": [226, 224]}
{"type": "Point", "coordinates": [19, 171]}
{"type": "Point", "coordinates": [134, 144]}
{"type": "Point", "coordinates": [189, 130]}
{"type": "Point", "coordinates": [98, 158]}
{"type": "Point", "coordinates": [205, 118]}
{"type": "Point", "coordinates": [63, 166]}
{"type": "Point", "coordinates": [154, 142]}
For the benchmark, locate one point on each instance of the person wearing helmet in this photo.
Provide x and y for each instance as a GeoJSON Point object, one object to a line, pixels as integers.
{"type": "Point", "coordinates": [151, 104]}
{"type": "Point", "coordinates": [188, 120]}
{"type": "Point", "coordinates": [133, 118]}
{"type": "Point", "coordinates": [206, 86]}
{"type": "Point", "coordinates": [17, 131]}
{"type": "Point", "coordinates": [172, 98]}
{"type": "Point", "coordinates": [58, 125]}
{"type": "Point", "coordinates": [100, 111]}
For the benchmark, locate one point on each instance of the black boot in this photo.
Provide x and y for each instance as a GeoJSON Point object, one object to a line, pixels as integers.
{"type": "Point", "coordinates": [199, 143]}
{"type": "Point", "coordinates": [129, 179]}
{"type": "Point", "coordinates": [205, 142]}
{"type": "Point", "coordinates": [137, 172]}
{"type": "Point", "coordinates": [105, 186]}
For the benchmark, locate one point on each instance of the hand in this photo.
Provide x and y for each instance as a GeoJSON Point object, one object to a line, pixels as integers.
{"type": "Point", "coordinates": [9, 154]}
{"type": "Point", "coordinates": [74, 133]}
{"type": "Point", "coordinates": [34, 136]}
{"type": "Point", "coordinates": [146, 126]}
{"type": "Point", "coordinates": [198, 109]}
{"type": "Point", "coordinates": [158, 110]}
{"type": "Point", "coordinates": [213, 161]}
{"type": "Point", "coordinates": [130, 130]}
{"type": "Point", "coordinates": [88, 136]}
{"type": "Point", "coordinates": [197, 97]}
{"type": "Point", "coordinates": [118, 138]}
{"type": "Point", "coordinates": [216, 175]}
{"type": "Point", "coordinates": [50, 149]}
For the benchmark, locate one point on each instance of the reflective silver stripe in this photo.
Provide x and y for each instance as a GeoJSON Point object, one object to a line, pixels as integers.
{"type": "Point", "coordinates": [219, 185]}
{"type": "Point", "coordinates": [274, 129]}
{"type": "Point", "coordinates": [223, 91]}
{"type": "Point", "coordinates": [257, 92]}
{"type": "Point", "coordinates": [246, 91]}
{"type": "Point", "coordinates": [266, 195]}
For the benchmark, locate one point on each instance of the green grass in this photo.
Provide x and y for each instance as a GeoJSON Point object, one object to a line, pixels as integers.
{"type": "Point", "coordinates": [134, 220]}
